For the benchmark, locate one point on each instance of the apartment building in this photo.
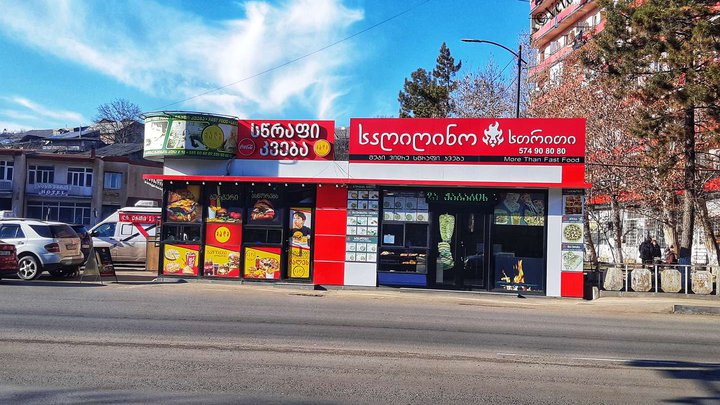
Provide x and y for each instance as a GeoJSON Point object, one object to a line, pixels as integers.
{"type": "Point", "coordinates": [557, 29]}
{"type": "Point", "coordinates": [74, 188]}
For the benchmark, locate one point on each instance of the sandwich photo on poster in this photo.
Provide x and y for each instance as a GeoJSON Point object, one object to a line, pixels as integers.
{"type": "Point", "coordinates": [183, 204]}
{"type": "Point", "coordinates": [263, 208]}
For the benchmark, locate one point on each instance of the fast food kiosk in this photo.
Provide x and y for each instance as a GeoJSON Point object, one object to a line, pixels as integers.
{"type": "Point", "coordinates": [479, 204]}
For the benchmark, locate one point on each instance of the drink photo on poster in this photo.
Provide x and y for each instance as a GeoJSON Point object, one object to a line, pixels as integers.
{"type": "Point", "coordinates": [181, 260]}
{"type": "Point", "coordinates": [221, 262]}
{"type": "Point", "coordinates": [224, 204]}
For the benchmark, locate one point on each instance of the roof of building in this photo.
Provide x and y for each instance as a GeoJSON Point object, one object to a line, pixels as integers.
{"type": "Point", "coordinates": [119, 149]}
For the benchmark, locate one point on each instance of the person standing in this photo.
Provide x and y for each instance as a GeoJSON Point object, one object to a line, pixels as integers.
{"type": "Point", "coordinates": [646, 251]}
{"type": "Point", "coordinates": [670, 256]}
{"type": "Point", "coordinates": [656, 252]}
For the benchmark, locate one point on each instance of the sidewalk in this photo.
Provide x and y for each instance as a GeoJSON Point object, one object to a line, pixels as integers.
{"type": "Point", "coordinates": [651, 303]}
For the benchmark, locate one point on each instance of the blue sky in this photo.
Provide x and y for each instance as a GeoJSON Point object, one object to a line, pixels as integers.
{"type": "Point", "coordinates": [60, 59]}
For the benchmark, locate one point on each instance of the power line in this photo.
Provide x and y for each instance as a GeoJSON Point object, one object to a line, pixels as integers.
{"type": "Point", "coordinates": [301, 57]}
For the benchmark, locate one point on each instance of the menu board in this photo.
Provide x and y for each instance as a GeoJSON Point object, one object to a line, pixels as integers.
{"type": "Point", "coordinates": [362, 224]}
{"type": "Point", "coordinates": [405, 206]}
{"type": "Point", "coordinates": [572, 234]}
{"type": "Point", "coordinates": [183, 204]}
{"type": "Point", "coordinates": [181, 260]}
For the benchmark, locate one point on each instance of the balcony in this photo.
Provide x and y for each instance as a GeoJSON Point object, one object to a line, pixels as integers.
{"type": "Point", "coordinates": [58, 190]}
{"type": "Point", "coordinates": [5, 185]}
{"type": "Point", "coordinates": [562, 21]}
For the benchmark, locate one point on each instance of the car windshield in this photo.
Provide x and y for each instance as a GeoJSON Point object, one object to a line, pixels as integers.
{"type": "Point", "coordinates": [79, 229]}
{"type": "Point", "coordinates": [54, 231]}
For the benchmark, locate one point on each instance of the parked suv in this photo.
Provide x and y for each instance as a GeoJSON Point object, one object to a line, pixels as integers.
{"type": "Point", "coordinates": [41, 246]}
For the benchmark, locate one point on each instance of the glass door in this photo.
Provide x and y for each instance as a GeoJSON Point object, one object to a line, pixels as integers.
{"type": "Point", "coordinates": [460, 249]}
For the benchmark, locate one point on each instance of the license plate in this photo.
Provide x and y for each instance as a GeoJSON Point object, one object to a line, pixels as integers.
{"type": "Point", "coordinates": [70, 247]}
{"type": "Point", "coordinates": [4, 253]}
{"type": "Point", "coordinates": [85, 246]}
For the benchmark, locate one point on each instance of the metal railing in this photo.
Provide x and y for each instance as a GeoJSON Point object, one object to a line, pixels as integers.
{"type": "Point", "coordinates": [656, 278]}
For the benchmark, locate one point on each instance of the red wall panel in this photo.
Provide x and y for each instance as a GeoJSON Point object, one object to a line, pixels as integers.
{"type": "Point", "coordinates": [329, 243]}
{"type": "Point", "coordinates": [329, 273]}
{"type": "Point", "coordinates": [330, 222]}
{"type": "Point", "coordinates": [329, 196]}
{"type": "Point", "coordinates": [571, 284]}
{"type": "Point", "coordinates": [330, 247]}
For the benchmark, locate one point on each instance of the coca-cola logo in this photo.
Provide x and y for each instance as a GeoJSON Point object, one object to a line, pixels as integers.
{"type": "Point", "coordinates": [246, 147]}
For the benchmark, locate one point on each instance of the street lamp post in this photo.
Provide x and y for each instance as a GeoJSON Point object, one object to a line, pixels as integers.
{"type": "Point", "coordinates": [520, 61]}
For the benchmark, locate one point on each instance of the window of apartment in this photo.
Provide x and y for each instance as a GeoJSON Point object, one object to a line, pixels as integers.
{"type": "Point", "coordinates": [41, 174]}
{"type": "Point", "coordinates": [113, 180]}
{"type": "Point", "coordinates": [80, 176]}
{"type": "Point", "coordinates": [6, 170]}
{"type": "Point", "coordinates": [556, 73]}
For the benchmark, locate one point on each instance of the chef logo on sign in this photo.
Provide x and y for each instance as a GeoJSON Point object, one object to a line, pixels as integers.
{"type": "Point", "coordinates": [493, 136]}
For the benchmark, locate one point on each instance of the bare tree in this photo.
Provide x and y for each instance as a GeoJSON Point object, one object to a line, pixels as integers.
{"type": "Point", "coordinates": [119, 122]}
{"type": "Point", "coordinates": [483, 94]}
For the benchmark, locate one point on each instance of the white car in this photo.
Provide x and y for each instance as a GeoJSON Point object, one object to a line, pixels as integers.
{"type": "Point", "coordinates": [42, 246]}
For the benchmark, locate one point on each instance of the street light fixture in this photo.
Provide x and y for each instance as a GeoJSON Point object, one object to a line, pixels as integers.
{"type": "Point", "coordinates": [518, 55]}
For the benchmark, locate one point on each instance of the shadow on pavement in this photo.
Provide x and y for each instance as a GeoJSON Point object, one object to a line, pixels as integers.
{"type": "Point", "coordinates": [14, 395]}
{"type": "Point", "coordinates": [706, 375]}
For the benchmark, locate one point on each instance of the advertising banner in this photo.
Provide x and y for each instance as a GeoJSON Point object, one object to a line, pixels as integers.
{"type": "Point", "coordinates": [572, 236]}
{"type": "Point", "coordinates": [224, 204]}
{"type": "Point", "coordinates": [264, 208]}
{"type": "Point", "coordinates": [541, 141]}
{"type": "Point", "coordinates": [181, 260]}
{"type": "Point", "coordinates": [223, 235]}
{"type": "Point", "coordinates": [183, 204]}
{"type": "Point", "coordinates": [220, 262]}
{"type": "Point", "coordinates": [520, 209]}
{"type": "Point", "coordinates": [285, 140]}
{"type": "Point", "coordinates": [190, 135]}
{"type": "Point", "coordinates": [300, 242]}
{"type": "Point", "coordinates": [262, 262]}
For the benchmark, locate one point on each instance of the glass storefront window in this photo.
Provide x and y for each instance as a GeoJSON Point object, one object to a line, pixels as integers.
{"type": "Point", "coordinates": [404, 232]}
{"type": "Point", "coordinates": [518, 241]}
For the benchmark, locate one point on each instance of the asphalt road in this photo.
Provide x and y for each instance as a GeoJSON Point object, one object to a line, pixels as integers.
{"type": "Point", "coordinates": [62, 342]}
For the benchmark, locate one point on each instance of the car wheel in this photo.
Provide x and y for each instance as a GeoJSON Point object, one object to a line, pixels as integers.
{"type": "Point", "coordinates": [28, 268]}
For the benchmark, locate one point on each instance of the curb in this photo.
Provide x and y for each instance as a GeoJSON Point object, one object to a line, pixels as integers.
{"type": "Point", "coordinates": [695, 310]}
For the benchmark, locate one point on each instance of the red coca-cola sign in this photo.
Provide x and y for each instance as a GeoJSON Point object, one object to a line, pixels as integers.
{"type": "Point", "coordinates": [552, 141]}
{"type": "Point", "coordinates": [285, 139]}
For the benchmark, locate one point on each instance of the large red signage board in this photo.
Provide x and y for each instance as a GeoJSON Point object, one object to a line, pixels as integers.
{"type": "Point", "coordinates": [550, 141]}
{"type": "Point", "coordinates": [285, 140]}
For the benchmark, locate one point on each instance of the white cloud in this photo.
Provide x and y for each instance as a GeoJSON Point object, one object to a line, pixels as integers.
{"type": "Point", "coordinates": [19, 113]}
{"type": "Point", "coordinates": [174, 54]}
